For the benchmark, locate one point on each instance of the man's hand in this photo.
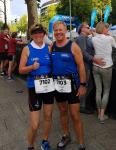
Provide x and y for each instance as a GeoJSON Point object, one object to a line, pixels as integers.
{"type": "Point", "coordinates": [81, 91]}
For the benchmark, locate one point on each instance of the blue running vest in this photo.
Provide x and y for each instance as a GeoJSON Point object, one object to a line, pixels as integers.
{"type": "Point", "coordinates": [43, 57]}
{"type": "Point", "coordinates": [63, 62]}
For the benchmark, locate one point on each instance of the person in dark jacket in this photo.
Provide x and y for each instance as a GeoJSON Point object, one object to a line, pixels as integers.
{"type": "Point", "coordinates": [85, 43]}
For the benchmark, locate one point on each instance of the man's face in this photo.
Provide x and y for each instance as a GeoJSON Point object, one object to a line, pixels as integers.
{"type": "Point", "coordinates": [59, 32]}
{"type": "Point", "coordinates": [86, 29]}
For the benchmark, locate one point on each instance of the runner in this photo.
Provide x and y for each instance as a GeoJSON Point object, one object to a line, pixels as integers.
{"type": "Point", "coordinates": [35, 61]}
{"type": "Point", "coordinates": [68, 67]}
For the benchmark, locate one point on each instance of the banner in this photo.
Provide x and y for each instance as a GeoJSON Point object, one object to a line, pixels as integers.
{"type": "Point", "coordinates": [93, 17]}
{"type": "Point", "coordinates": [107, 13]}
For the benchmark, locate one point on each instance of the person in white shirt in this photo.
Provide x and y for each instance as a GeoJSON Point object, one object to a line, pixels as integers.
{"type": "Point", "coordinates": [47, 40]}
{"type": "Point", "coordinates": [102, 44]}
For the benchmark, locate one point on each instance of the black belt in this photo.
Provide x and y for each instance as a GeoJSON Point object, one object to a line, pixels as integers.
{"type": "Point", "coordinates": [40, 76]}
{"type": "Point", "coordinates": [63, 76]}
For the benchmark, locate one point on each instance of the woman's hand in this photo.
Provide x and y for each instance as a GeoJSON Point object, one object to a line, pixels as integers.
{"type": "Point", "coordinates": [35, 65]}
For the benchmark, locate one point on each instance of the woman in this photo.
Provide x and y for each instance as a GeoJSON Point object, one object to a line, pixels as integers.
{"type": "Point", "coordinates": [35, 61]}
{"type": "Point", "coordinates": [103, 44]}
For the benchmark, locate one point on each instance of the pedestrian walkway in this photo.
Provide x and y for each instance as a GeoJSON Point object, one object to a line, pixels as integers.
{"type": "Point", "coordinates": [14, 122]}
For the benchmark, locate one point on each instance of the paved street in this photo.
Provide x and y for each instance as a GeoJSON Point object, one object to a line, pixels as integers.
{"type": "Point", "coordinates": [14, 121]}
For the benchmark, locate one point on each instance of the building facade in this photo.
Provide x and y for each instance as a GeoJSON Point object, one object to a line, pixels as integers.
{"type": "Point", "coordinates": [45, 5]}
{"type": "Point", "coordinates": [3, 4]}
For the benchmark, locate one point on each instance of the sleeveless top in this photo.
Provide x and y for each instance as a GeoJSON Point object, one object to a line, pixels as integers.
{"type": "Point", "coordinates": [43, 57]}
{"type": "Point", "coordinates": [63, 62]}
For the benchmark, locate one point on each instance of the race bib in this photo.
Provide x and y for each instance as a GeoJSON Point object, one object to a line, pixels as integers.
{"type": "Point", "coordinates": [44, 85]}
{"type": "Point", "coordinates": [63, 85]}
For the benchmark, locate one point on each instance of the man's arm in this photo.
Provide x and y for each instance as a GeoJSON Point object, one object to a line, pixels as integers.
{"type": "Point", "coordinates": [79, 61]}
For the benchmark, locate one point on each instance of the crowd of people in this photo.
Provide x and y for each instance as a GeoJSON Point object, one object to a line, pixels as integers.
{"type": "Point", "coordinates": [64, 72]}
{"type": "Point", "coordinates": [8, 42]}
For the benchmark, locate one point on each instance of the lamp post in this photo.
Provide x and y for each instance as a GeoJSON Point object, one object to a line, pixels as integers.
{"type": "Point", "coordinates": [70, 17]}
{"type": "Point", "coordinates": [5, 18]}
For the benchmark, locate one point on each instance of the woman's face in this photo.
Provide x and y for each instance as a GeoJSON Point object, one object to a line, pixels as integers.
{"type": "Point", "coordinates": [6, 31]}
{"type": "Point", "coordinates": [105, 30]}
{"type": "Point", "coordinates": [38, 37]}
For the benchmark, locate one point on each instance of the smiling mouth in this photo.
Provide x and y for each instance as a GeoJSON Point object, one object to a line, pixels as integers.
{"type": "Point", "coordinates": [59, 35]}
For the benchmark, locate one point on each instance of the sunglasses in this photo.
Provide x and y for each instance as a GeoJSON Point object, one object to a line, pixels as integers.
{"type": "Point", "coordinates": [87, 27]}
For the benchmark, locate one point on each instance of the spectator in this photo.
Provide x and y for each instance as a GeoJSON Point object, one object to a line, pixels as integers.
{"type": "Point", "coordinates": [4, 37]}
{"type": "Point", "coordinates": [12, 54]}
{"type": "Point", "coordinates": [102, 73]}
{"type": "Point", "coordinates": [85, 43]}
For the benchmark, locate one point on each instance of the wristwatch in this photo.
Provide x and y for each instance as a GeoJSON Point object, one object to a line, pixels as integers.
{"type": "Point", "coordinates": [83, 84]}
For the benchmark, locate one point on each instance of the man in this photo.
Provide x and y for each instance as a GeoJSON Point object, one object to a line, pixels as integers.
{"type": "Point", "coordinates": [85, 43]}
{"type": "Point", "coordinates": [67, 62]}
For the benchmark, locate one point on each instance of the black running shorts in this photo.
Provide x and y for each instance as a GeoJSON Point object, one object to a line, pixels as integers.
{"type": "Point", "coordinates": [3, 56]}
{"type": "Point", "coordinates": [71, 98]}
{"type": "Point", "coordinates": [36, 100]}
{"type": "Point", "coordinates": [11, 57]}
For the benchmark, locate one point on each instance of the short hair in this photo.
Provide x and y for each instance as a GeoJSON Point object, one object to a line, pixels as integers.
{"type": "Point", "coordinates": [14, 35]}
{"type": "Point", "coordinates": [58, 23]}
{"type": "Point", "coordinates": [81, 26]}
{"type": "Point", "coordinates": [100, 27]}
{"type": "Point", "coordinates": [38, 28]}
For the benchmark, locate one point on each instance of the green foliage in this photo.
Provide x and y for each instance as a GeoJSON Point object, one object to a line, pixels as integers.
{"type": "Point", "coordinates": [100, 5]}
{"type": "Point", "coordinates": [113, 15]}
{"type": "Point", "coordinates": [19, 26]}
{"type": "Point", "coordinates": [22, 24]}
{"type": "Point", "coordinates": [80, 8]}
{"type": "Point", "coordinates": [13, 28]}
{"type": "Point", "coordinates": [1, 24]}
{"type": "Point", "coordinates": [50, 12]}
{"type": "Point", "coordinates": [83, 8]}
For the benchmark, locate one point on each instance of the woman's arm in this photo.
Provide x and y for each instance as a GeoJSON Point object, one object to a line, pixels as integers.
{"type": "Point", "coordinates": [23, 69]}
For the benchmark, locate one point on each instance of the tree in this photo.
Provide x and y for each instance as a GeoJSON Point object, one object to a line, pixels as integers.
{"type": "Point", "coordinates": [50, 12]}
{"type": "Point", "coordinates": [113, 15]}
{"type": "Point", "coordinates": [80, 8]}
{"type": "Point", "coordinates": [83, 8]}
{"type": "Point", "coordinates": [22, 24]}
{"type": "Point", "coordinates": [100, 5]}
{"type": "Point", "coordinates": [13, 28]}
{"type": "Point", "coordinates": [32, 12]}
{"type": "Point", "coordinates": [1, 24]}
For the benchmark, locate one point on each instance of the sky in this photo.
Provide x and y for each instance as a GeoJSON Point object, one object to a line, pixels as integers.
{"type": "Point", "coordinates": [18, 8]}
